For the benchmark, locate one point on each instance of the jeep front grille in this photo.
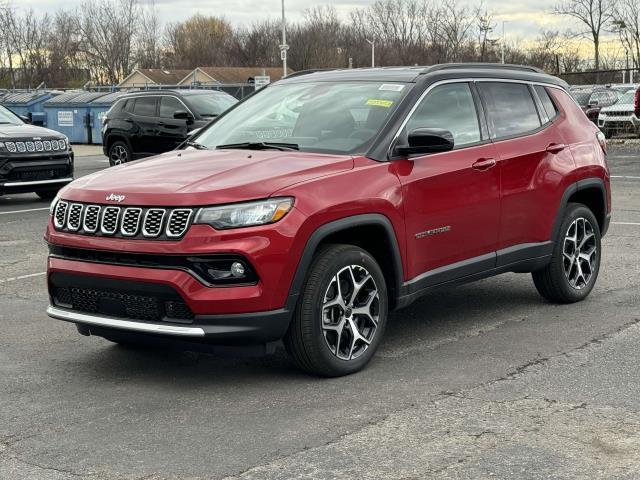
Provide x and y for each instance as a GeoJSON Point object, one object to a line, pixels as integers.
{"type": "Point", "coordinates": [116, 221]}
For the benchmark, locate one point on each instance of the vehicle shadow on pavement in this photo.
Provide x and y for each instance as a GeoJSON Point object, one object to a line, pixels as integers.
{"type": "Point", "coordinates": [438, 318]}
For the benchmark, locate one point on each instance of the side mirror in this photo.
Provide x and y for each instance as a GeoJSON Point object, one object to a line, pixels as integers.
{"type": "Point", "coordinates": [427, 140]}
{"type": "Point", "coordinates": [25, 119]}
{"type": "Point", "coordinates": [182, 115]}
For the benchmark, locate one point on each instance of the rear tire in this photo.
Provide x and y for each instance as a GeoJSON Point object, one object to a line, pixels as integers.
{"type": "Point", "coordinates": [341, 314]}
{"type": "Point", "coordinates": [575, 262]}
{"type": "Point", "coordinates": [119, 153]}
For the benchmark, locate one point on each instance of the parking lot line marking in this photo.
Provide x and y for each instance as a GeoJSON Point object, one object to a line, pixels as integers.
{"type": "Point", "coordinates": [27, 210]}
{"type": "Point", "coordinates": [626, 223]}
{"type": "Point", "coordinates": [625, 177]}
{"type": "Point", "coordinates": [22, 277]}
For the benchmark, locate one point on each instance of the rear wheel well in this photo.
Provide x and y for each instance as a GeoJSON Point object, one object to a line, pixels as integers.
{"type": "Point", "coordinates": [375, 240]}
{"type": "Point", "coordinates": [111, 139]}
{"type": "Point", "coordinates": [593, 199]}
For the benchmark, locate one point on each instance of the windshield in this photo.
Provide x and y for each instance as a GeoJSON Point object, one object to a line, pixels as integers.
{"type": "Point", "coordinates": [330, 117]}
{"type": "Point", "coordinates": [210, 105]}
{"type": "Point", "coordinates": [582, 98]}
{"type": "Point", "coordinates": [6, 116]}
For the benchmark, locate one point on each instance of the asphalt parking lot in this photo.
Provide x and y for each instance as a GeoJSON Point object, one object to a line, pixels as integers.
{"type": "Point", "coordinates": [482, 381]}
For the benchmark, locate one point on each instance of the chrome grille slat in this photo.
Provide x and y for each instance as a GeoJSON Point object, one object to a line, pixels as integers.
{"type": "Point", "coordinates": [130, 221]}
{"type": "Point", "coordinates": [74, 219]}
{"type": "Point", "coordinates": [125, 222]}
{"type": "Point", "coordinates": [91, 218]}
{"type": "Point", "coordinates": [60, 214]}
{"type": "Point", "coordinates": [178, 222]}
{"type": "Point", "coordinates": [109, 223]}
{"type": "Point", "coordinates": [153, 220]}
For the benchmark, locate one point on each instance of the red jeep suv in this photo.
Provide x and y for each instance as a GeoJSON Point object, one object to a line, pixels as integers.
{"type": "Point", "coordinates": [311, 209]}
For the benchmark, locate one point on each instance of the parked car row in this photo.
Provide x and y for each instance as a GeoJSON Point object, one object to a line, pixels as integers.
{"type": "Point", "coordinates": [615, 108]}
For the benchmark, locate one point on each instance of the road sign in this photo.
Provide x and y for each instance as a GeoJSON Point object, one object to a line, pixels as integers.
{"type": "Point", "coordinates": [260, 81]}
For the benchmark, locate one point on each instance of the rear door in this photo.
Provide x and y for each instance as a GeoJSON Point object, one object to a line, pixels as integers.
{"type": "Point", "coordinates": [144, 118]}
{"type": "Point", "coordinates": [171, 131]}
{"type": "Point", "coordinates": [451, 199]}
{"type": "Point", "coordinates": [534, 160]}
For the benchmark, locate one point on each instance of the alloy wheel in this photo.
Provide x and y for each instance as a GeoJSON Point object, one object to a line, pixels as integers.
{"type": "Point", "coordinates": [350, 311]}
{"type": "Point", "coordinates": [579, 253]}
{"type": "Point", "coordinates": [118, 155]}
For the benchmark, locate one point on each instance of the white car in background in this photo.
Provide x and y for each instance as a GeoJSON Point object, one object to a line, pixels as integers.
{"type": "Point", "coordinates": [623, 116]}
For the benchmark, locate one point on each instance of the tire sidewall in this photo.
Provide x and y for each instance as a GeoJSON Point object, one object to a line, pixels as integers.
{"type": "Point", "coordinates": [352, 256]}
{"type": "Point", "coordinates": [575, 211]}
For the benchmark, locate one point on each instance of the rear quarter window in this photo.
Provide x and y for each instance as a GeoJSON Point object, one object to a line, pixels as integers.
{"type": "Point", "coordinates": [550, 108]}
{"type": "Point", "coordinates": [510, 108]}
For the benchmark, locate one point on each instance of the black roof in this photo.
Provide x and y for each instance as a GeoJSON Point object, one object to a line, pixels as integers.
{"type": "Point", "coordinates": [434, 72]}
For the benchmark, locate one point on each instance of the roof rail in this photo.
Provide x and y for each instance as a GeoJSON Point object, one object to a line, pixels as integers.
{"type": "Point", "coordinates": [488, 66]}
{"type": "Point", "coordinates": [299, 73]}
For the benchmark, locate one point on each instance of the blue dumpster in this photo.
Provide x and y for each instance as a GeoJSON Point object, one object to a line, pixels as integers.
{"type": "Point", "coordinates": [68, 113]}
{"type": "Point", "coordinates": [97, 110]}
{"type": "Point", "coordinates": [28, 104]}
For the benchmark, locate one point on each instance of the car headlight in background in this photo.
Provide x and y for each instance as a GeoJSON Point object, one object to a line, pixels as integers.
{"type": "Point", "coordinates": [248, 214]}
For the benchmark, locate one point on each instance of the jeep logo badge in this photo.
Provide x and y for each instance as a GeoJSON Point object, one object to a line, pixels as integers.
{"type": "Point", "coordinates": [112, 197]}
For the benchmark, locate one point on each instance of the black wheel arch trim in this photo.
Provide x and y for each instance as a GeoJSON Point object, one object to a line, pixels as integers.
{"type": "Point", "coordinates": [336, 226]}
{"type": "Point", "coordinates": [584, 184]}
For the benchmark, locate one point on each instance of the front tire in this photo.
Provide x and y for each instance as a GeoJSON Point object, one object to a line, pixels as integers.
{"type": "Point", "coordinates": [47, 194]}
{"type": "Point", "coordinates": [341, 315]}
{"type": "Point", "coordinates": [575, 262]}
{"type": "Point", "coordinates": [119, 153]}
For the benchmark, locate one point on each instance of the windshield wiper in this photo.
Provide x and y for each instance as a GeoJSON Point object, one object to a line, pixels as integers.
{"type": "Point", "coordinates": [262, 146]}
{"type": "Point", "coordinates": [197, 146]}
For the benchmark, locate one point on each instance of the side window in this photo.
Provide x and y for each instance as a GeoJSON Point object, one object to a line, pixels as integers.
{"type": "Point", "coordinates": [511, 109]}
{"type": "Point", "coordinates": [452, 108]}
{"type": "Point", "coordinates": [145, 106]}
{"type": "Point", "coordinates": [548, 105]}
{"type": "Point", "coordinates": [169, 106]}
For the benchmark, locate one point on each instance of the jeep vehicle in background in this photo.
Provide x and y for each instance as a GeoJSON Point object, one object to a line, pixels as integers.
{"type": "Point", "coordinates": [150, 122]}
{"type": "Point", "coordinates": [592, 100]}
{"type": "Point", "coordinates": [316, 206]}
{"type": "Point", "coordinates": [622, 117]}
{"type": "Point", "coordinates": [32, 159]}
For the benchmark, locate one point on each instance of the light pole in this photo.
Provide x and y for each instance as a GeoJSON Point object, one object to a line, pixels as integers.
{"type": "Point", "coordinates": [284, 47]}
{"type": "Point", "coordinates": [373, 52]}
{"type": "Point", "coordinates": [503, 22]}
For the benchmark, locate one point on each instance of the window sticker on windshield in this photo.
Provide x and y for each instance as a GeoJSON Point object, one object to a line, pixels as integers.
{"type": "Point", "coordinates": [391, 87]}
{"type": "Point", "coordinates": [377, 102]}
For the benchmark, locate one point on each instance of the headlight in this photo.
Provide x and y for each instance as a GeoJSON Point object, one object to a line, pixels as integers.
{"type": "Point", "coordinates": [52, 207]}
{"type": "Point", "coordinates": [247, 214]}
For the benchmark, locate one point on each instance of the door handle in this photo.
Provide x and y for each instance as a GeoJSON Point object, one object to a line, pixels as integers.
{"type": "Point", "coordinates": [128, 120]}
{"type": "Point", "coordinates": [483, 164]}
{"type": "Point", "coordinates": [556, 147]}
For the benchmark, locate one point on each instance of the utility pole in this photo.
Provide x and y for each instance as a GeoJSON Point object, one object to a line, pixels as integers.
{"type": "Point", "coordinates": [373, 52]}
{"type": "Point", "coordinates": [503, 22]}
{"type": "Point", "coordinates": [284, 47]}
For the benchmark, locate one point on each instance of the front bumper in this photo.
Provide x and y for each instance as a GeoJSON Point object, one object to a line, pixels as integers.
{"type": "Point", "coordinates": [32, 172]}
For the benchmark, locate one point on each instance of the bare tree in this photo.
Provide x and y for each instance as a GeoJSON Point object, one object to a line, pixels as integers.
{"type": "Point", "coordinates": [149, 38]}
{"type": "Point", "coordinates": [627, 23]}
{"type": "Point", "coordinates": [594, 16]}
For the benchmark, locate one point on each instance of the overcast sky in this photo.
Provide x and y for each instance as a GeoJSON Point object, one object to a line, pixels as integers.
{"type": "Point", "coordinates": [525, 19]}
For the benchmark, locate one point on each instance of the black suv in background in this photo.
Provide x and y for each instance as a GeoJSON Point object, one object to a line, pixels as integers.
{"type": "Point", "coordinates": [147, 123]}
{"type": "Point", "coordinates": [32, 159]}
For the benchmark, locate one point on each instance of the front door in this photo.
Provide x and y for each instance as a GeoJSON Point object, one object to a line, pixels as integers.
{"type": "Point", "coordinates": [452, 199]}
{"type": "Point", "coordinates": [171, 131]}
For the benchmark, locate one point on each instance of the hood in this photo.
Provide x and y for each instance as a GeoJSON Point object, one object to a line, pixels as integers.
{"type": "Point", "coordinates": [23, 131]}
{"type": "Point", "coordinates": [618, 107]}
{"type": "Point", "coordinates": [204, 177]}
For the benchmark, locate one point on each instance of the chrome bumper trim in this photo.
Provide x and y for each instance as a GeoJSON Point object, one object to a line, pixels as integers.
{"type": "Point", "coordinates": [37, 182]}
{"type": "Point", "coordinates": [113, 322]}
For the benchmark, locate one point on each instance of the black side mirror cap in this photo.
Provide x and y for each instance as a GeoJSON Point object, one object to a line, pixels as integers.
{"type": "Point", "coordinates": [427, 140]}
{"type": "Point", "coordinates": [182, 115]}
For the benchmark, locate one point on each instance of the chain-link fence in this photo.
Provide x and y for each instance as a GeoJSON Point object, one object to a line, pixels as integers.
{"type": "Point", "coordinates": [602, 77]}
